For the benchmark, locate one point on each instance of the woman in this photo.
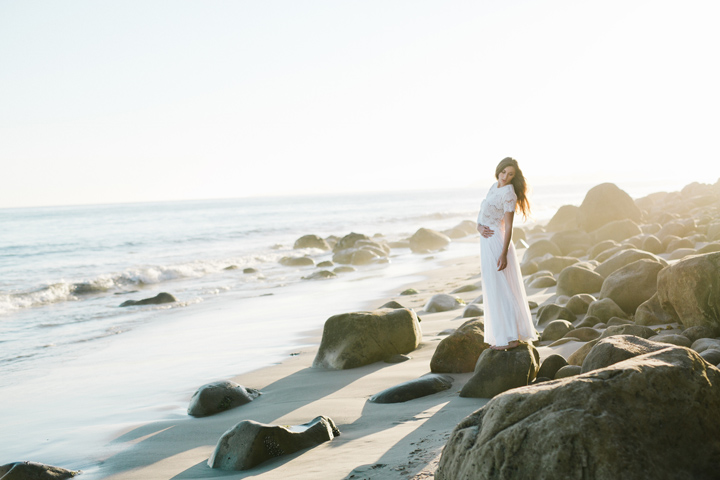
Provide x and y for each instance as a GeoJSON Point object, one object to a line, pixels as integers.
{"type": "Point", "coordinates": [507, 316]}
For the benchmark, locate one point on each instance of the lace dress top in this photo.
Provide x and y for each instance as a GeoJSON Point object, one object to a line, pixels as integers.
{"type": "Point", "coordinates": [496, 203]}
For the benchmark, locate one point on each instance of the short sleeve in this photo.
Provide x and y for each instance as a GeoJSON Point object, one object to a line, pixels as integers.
{"type": "Point", "coordinates": [510, 200]}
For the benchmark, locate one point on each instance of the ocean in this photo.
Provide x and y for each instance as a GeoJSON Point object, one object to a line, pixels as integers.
{"type": "Point", "coordinates": [76, 368]}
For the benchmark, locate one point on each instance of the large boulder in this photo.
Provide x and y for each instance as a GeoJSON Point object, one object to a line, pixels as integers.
{"type": "Point", "coordinates": [311, 241]}
{"type": "Point", "coordinates": [605, 203]}
{"type": "Point", "coordinates": [34, 471]}
{"type": "Point", "coordinates": [555, 330]}
{"type": "Point", "coordinates": [219, 396]}
{"type": "Point", "coordinates": [556, 264]}
{"type": "Point", "coordinates": [625, 257]}
{"type": "Point", "coordinates": [297, 261]}
{"type": "Point", "coordinates": [553, 311]}
{"type": "Point", "coordinates": [605, 309]}
{"type": "Point", "coordinates": [540, 248]}
{"type": "Point", "coordinates": [649, 417]}
{"type": "Point", "coordinates": [618, 231]}
{"type": "Point", "coordinates": [459, 351]}
{"type": "Point", "coordinates": [352, 340]}
{"type": "Point", "coordinates": [572, 240]}
{"type": "Point", "coordinates": [689, 290]}
{"type": "Point", "coordinates": [632, 284]}
{"type": "Point", "coordinates": [579, 303]}
{"type": "Point", "coordinates": [614, 349]}
{"type": "Point", "coordinates": [628, 329]}
{"type": "Point", "coordinates": [427, 240]}
{"type": "Point", "coordinates": [349, 240]}
{"type": "Point", "coordinates": [442, 302]}
{"type": "Point", "coordinates": [564, 219]}
{"type": "Point", "coordinates": [551, 365]}
{"type": "Point", "coordinates": [250, 443]}
{"type": "Point", "coordinates": [650, 312]}
{"type": "Point", "coordinates": [498, 370]}
{"type": "Point", "coordinates": [412, 389]}
{"type": "Point", "coordinates": [160, 298]}
{"type": "Point", "coordinates": [576, 279]}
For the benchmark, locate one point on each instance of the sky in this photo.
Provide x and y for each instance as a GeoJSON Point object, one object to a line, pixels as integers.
{"type": "Point", "coordinates": [104, 102]}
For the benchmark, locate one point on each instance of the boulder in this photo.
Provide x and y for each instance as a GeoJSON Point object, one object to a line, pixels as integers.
{"type": "Point", "coordinates": [588, 426]}
{"type": "Point", "coordinates": [689, 290]}
{"type": "Point", "coordinates": [605, 203]}
{"type": "Point", "coordinates": [551, 365]}
{"type": "Point", "coordinates": [681, 253]}
{"type": "Point", "coordinates": [348, 241]}
{"type": "Point", "coordinates": [618, 231]}
{"type": "Point", "coordinates": [602, 256]}
{"type": "Point", "coordinates": [320, 275]}
{"type": "Point", "coordinates": [473, 310]}
{"type": "Point", "coordinates": [578, 356]}
{"type": "Point", "coordinates": [459, 351]}
{"type": "Point", "coordinates": [311, 241]}
{"type": "Point", "coordinates": [364, 256]}
{"type": "Point", "coordinates": [325, 264]}
{"type": "Point", "coordinates": [572, 240]}
{"type": "Point", "coordinates": [584, 334]}
{"type": "Point", "coordinates": [556, 329]}
{"type": "Point", "coordinates": [672, 339]}
{"type": "Point", "coordinates": [158, 299]}
{"type": "Point", "coordinates": [652, 244]}
{"type": "Point", "coordinates": [702, 344]}
{"type": "Point", "coordinates": [297, 261]}
{"type": "Point", "coordinates": [250, 443]}
{"type": "Point", "coordinates": [588, 321]}
{"type": "Point", "coordinates": [427, 240]}
{"type": "Point", "coordinates": [250, 270]}
{"type": "Point", "coordinates": [552, 311]}
{"type": "Point", "coordinates": [564, 219]}
{"type": "Point", "coordinates": [466, 288]}
{"type": "Point", "coordinates": [578, 304]}
{"type": "Point", "coordinates": [442, 302]}
{"type": "Point", "coordinates": [498, 370]}
{"type": "Point", "coordinates": [623, 258]}
{"type": "Point", "coordinates": [680, 243]}
{"type": "Point", "coordinates": [628, 329]}
{"type": "Point", "coordinates": [651, 312]}
{"type": "Point", "coordinates": [712, 356]}
{"type": "Point", "coordinates": [344, 269]}
{"type": "Point", "coordinates": [219, 396]}
{"type": "Point", "coordinates": [529, 267]}
{"type": "Point", "coordinates": [610, 350]}
{"type": "Point", "coordinates": [34, 471]}
{"type": "Point", "coordinates": [709, 248]}
{"type": "Point", "coordinates": [605, 309]}
{"type": "Point", "coordinates": [540, 248]}
{"type": "Point", "coordinates": [575, 279]}
{"type": "Point", "coordinates": [352, 340]}
{"type": "Point", "coordinates": [409, 291]}
{"type": "Point", "coordinates": [392, 304]}
{"type": "Point", "coordinates": [412, 389]}
{"type": "Point", "coordinates": [556, 264]}
{"type": "Point", "coordinates": [601, 247]}
{"type": "Point", "coordinates": [568, 371]}
{"type": "Point", "coordinates": [701, 331]}
{"type": "Point", "coordinates": [543, 281]}
{"type": "Point", "coordinates": [633, 284]}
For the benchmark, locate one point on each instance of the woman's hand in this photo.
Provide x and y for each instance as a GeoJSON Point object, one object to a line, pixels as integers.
{"type": "Point", "coordinates": [502, 261]}
{"type": "Point", "coordinates": [485, 231]}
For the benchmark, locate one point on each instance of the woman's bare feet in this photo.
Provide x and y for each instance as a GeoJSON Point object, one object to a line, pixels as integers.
{"type": "Point", "coordinates": [507, 347]}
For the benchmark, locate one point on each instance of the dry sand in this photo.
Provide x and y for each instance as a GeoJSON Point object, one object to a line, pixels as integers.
{"type": "Point", "coordinates": [383, 441]}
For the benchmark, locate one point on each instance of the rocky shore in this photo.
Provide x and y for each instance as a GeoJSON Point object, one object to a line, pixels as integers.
{"type": "Point", "coordinates": [624, 380]}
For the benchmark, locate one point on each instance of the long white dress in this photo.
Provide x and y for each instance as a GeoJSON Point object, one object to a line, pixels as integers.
{"type": "Point", "coordinates": [507, 315]}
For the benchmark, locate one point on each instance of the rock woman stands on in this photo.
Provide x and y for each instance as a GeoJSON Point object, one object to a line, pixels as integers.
{"type": "Point", "coordinates": [507, 316]}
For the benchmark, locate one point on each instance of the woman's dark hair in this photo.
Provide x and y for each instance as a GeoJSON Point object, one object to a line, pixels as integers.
{"type": "Point", "coordinates": [518, 182]}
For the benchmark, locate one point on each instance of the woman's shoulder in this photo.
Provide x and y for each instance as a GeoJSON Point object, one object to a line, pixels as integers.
{"type": "Point", "coordinates": [510, 192]}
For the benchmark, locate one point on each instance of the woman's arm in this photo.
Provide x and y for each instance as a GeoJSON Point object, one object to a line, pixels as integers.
{"type": "Point", "coordinates": [502, 261]}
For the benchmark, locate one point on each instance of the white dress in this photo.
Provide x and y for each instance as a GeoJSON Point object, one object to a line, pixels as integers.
{"type": "Point", "coordinates": [507, 315]}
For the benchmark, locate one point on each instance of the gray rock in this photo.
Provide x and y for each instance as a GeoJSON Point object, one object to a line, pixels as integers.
{"type": "Point", "coordinates": [605, 309]}
{"type": "Point", "coordinates": [543, 281]}
{"type": "Point", "coordinates": [625, 257]}
{"type": "Point", "coordinates": [579, 303]}
{"type": "Point", "coordinates": [427, 240]}
{"type": "Point", "coordinates": [712, 356]}
{"type": "Point", "coordinates": [601, 247]}
{"type": "Point", "coordinates": [392, 304]}
{"type": "Point", "coordinates": [349, 241]}
{"type": "Point", "coordinates": [663, 388]}
{"type": "Point", "coordinates": [320, 275]}
{"type": "Point", "coordinates": [681, 253]}
{"type": "Point", "coordinates": [584, 334]}
{"type": "Point", "coordinates": [632, 285]}
{"type": "Point", "coordinates": [412, 389]}
{"type": "Point", "coordinates": [672, 339]}
{"type": "Point", "coordinates": [219, 396]}
{"type": "Point", "coordinates": [605, 203]}
{"type": "Point", "coordinates": [297, 261]}
{"type": "Point", "coordinates": [442, 302]}
{"type": "Point", "coordinates": [701, 331]}
{"type": "Point", "coordinates": [652, 244]}
{"type": "Point", "coordinates": [619, 321]}
{"type": "Point", "coordinates": [311, 241]}
{"type": "Point", "coordinates": [556, 264]}
{"type": "Point", "coordinates": [571, 241]}
{"type": "Point", "coordinates": [702, 344]}
{"type": "Point", "coordinates": [689, 290]}
{"type": "Point", "coordinates": [578, 356]}
{"type": "Point", "coordinates": [651, 312]}
{"type": "Point", "coordinates": [540, 248]}
{"type": "Point", "coordinates": [555, 330]}
{"type": "Point", "coordinates": [397, 358]}
{"type": "Point", "coordinates": [628, 329]}
{"type": "Point", "coordinates": [34, 471]}
{"type": "Point", "coordinates": [588, 321]}
{"type": "Point", "coordinates": [466, 288]}
{"type": "Point", "coordinates": [249, 270]}
{"type": "Point", "coordinates": [158, 299]}
{"type": "Point", "coordinates": [352, 340]}
{"type": "Point", "coordinates": [459, 351]}
{"type": "Point", "coordinates": [564, 219]}
{"type": "Point", "coordinates": [344, 269]}
{"type": "Point", "coordinates": [551, 365]}
{"type": "Point", "coordinates": [250, 443]}
{"type": "Point", "coordinates": [617, 230]}
{"type": "Point", "coordinates": [325, 264]}
{"type": "Point", "coordinates": [409, 291]}
{"type": "Point", "coordinates": [473, 310]}
{"type": "Point", "coordinates": [568, 371]}
{"type": "Point", "coordinates": [610, 350]}
{"type": "Point", "coordinates": [552, 311]}
{"type": "Point", "coordinates": [575, 279]}
{"type": "Point", "coordinates": [497, 371]}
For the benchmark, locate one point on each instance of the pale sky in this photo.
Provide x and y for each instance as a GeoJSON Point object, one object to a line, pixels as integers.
{"type": "Point", "coordinates": [147, 100]}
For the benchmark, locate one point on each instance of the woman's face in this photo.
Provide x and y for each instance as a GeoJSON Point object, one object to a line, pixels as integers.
{"type": "Point", "coordinates": [506, 176]}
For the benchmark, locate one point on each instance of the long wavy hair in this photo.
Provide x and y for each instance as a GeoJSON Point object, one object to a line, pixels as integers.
{"type": "Point", "coordinates": [518, 182]}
